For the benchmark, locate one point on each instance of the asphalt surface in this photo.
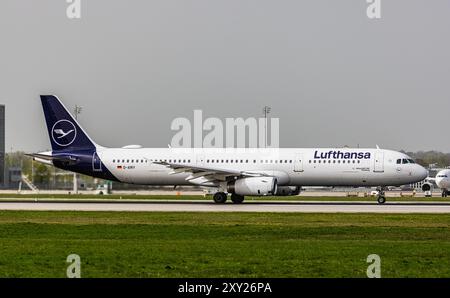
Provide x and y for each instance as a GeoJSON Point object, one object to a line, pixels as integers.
{"type": "Point", "coordinates": [202, 206]}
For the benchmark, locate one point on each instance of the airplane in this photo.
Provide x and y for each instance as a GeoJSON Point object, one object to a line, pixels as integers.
{"type": "Point", "coordinates": [237, 172]}
{"type": "Point", "coordinates": [442, 181]}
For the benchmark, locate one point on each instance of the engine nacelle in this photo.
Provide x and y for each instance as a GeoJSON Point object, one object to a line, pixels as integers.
{"type": "Point", "coordinates": [287, 190]}
{"type": "Point", "coordinates": [427, 186]}
{"type": "Point", "coordinates": [253, 186]}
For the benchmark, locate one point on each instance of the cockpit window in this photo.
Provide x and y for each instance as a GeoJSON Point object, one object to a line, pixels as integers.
{"type": "Point", "coordinates": [411, 161]}
{"type": "Point", "coordinates": [399, 161]}
{"type": "Point", "coordinates": [404, 161]}
{"type": "Point", "coordinates": [442, 176]}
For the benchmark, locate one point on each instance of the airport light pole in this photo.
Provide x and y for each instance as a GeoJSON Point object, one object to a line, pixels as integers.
{"type": "Point", "coordinates": [266, 110]}
{"type": "Point", "coordinates": [77, 111]}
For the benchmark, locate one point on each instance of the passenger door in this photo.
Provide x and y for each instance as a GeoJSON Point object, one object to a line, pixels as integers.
{"type": "Point", "coordinates": [379, 162]}
{"type": "Point", "coordinates": [96, 163]}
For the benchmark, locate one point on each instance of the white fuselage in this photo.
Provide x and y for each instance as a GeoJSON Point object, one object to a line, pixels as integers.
{"type": "Point", "coordinates": [293, 167]}
{"type": "Point", "coordinates": [443, 179]}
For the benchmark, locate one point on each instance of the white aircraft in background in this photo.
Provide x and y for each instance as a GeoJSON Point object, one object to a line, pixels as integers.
{"type": "Point", "coordinates": [442, 181]}
{"type": "Point", "coordinates": [238, 172]}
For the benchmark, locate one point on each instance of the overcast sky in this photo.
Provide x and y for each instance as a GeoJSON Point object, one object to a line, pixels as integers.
{"type": "Point", "coordinates": [332, 76]}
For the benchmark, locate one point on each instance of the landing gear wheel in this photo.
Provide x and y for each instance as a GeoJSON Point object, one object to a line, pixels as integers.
{"type": "Point", "coordinates": [381, 200]}
{"type": "Point", "coordinates": [237, 199]}
{"type": "Point", "coordinates": [220, 197]}
{"type": "Point", "coordinates": [381, 197]}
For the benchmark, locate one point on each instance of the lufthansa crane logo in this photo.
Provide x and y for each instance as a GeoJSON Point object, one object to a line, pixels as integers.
{"type": "Point", "coordinates": [64, 133]}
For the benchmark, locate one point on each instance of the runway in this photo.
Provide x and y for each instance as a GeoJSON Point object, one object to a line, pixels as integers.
{"type": "Point", "coordinates": [202, 206]}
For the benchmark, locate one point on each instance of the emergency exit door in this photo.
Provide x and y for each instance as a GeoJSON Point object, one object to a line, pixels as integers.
{"type": "Point", "coordinates": [298, 163]}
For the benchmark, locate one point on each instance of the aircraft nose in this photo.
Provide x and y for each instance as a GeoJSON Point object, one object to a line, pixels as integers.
{"type": "Point", "coordinates": [422, 173]}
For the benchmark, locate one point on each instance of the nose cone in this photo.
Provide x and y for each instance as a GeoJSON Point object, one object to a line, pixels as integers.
{"type": "Point", "coordinates": [421, 173]}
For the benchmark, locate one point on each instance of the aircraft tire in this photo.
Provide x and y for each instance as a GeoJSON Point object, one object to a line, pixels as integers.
{"type": "Point", "coordinates": [220, 197]}
{"type": "Point", "coordinates": [237, 199]}
{"type": "Point", "coordinates": [381, 200]}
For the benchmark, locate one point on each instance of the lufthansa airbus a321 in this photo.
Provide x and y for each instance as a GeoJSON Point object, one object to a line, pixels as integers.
{"type": "Point", "coordinates": [229, 171]}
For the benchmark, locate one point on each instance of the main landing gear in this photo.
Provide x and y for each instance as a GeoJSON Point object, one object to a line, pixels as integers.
{"type": "Point", "coordinates": [381, 198]}
{"type": "Point", "coordinates": [237, 199]}
{"type": "Point", "coordinates": [221, 198]}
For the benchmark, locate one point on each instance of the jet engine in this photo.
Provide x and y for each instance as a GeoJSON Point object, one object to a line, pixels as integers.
{"type": "Point", "coordinates": [427, 186]}
{"type": "Point", "coordinates": [287, 190]}
{"type": "Point", "coordinates": [253, 186]}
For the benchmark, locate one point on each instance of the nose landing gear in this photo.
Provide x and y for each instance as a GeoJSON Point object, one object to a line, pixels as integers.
{"type": "Point", "coordinates": [445, 193]}
{"type": "Point", "coordinates": [381, 198]}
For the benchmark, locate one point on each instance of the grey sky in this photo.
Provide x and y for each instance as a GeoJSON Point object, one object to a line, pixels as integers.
{"type": "Point", "coordinates": [331, 75]}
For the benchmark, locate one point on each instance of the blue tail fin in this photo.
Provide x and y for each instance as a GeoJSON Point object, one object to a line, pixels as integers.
{"type": "Point", "coordinates": [64, 131]}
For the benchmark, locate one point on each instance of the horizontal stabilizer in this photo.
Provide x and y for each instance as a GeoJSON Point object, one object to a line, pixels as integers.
{"type": "Point", "coordinates": [63, 158]}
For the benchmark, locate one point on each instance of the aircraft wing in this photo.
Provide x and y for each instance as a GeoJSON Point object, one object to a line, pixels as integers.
{"type": "Point", "coordinates": [207, 174]}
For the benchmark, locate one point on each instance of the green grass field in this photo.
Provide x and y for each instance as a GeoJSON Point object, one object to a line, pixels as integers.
{"type": "Point", "coordinates": [120, 244]}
